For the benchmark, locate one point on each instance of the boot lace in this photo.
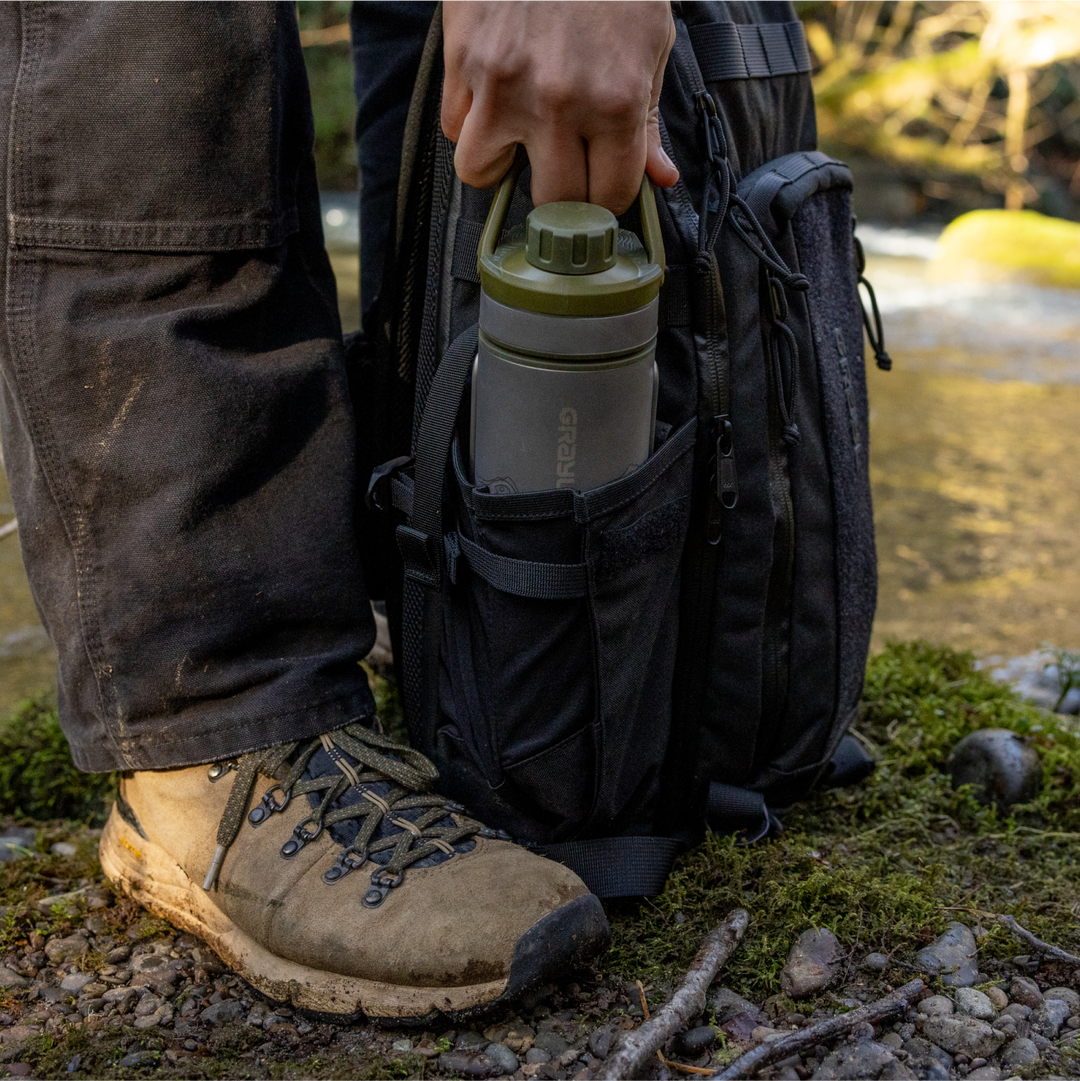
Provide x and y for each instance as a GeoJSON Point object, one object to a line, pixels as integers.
{"type": "Point", "coordinates": [378, 786]}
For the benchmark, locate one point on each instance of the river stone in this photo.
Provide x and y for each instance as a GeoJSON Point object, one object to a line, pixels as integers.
{"type": "Point", "coordinates": [963, 1035]}
{"type": "Point", "coordinates": [534, 1055]}
{"type": "Point", "coordinates": [76, 981]}
{"type": "Point", "coordinates": [15, 839]}
{"type": "Point", "coordinates": [1025, 991]}
{"type": "Point", "coordinates": [812, 964]}
{"type": "Point", "coordinates": [725, 1005]}
{"type": "Point", "coordinates": [221, 1013]}
{"type": "Point", "coordinates": [551, 1042]}
{"type": "Point", "coordinates": [876, 962]}
{"type": "Point", "coordinates": [998, 999]}
{"type": "Point", "coordinates": [897, 1071]}
{"type": "Point", "coordinates": [502, 1059]}
{"type": "Point", "coordinates": [936, 1006]}
{"type": "Point", "coordinates": [1065, 994]}
{"type": "Point", "coordinates": [1017, 1011]}
{"type": "Point", "coordinates": [974, 1004]}
{"type": "Point", "coordinates": [139, 1058]}
{"type": "Point", "coordinates": [1050, 1016]}
{"type": "Point", "coordinates": [66, 949]}
{"type": "Point", "coordinates": [1021, 1052]}
{"type": "Point", "coordinates": [985, 1073]}
{"type": "Point", "coordinates": [1003, 768]}
{"type": "Point", "coordinates": [696, 1041]}
{"type": "Point", "coordinates": [601, 1039]}
{"type": "Point", "coordinates": [464, 1064]}
{"type": "Point", "coordinates": [953, 957]}
{"type": "Point", "coordinates": [852, 1062]}
{"type": "Point", "coordinates": [10, 979]}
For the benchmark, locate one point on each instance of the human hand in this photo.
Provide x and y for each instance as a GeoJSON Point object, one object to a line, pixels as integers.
{"type": "Point", "coordinates": [576, 84]}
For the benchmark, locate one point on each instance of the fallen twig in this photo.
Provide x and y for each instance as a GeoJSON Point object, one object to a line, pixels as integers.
{"type": "Point", "coordinates": [1037, 944]}
{"type": "Point", "coordinates": [687, 1002]}
{"type": "Point", "coordinates": [765, 1053]}
{"type": "Point", "coordinates": [660, 1054]}
{"type": "Point", "coordinates": [8, 528]}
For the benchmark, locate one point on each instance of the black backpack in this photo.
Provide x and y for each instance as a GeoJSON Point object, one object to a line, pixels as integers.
{"type": "Point", "coordinates": [602, 673]}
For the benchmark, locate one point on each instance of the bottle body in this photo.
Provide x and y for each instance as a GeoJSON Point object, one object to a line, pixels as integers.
{"type": "Point", "coordinates": [561, 401]}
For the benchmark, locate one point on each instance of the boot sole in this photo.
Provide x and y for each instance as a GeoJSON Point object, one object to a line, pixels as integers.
{"type": "Point", "coordinates": [570, 935]}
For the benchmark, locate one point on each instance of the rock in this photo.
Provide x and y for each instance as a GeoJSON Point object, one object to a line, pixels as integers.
{"type": "Point", "coordinates": [470, 1041]}
{"type": "Point", "coordinates": [893, 1040]}
{"type": "Point", "coordinates": [1002, 766]}
{"type": "Point", "coordinates": [998, 999]}
{"type": "Point", "coordinates": [1064, 994]}
{"type": "Point", "coordinates": [855, 1061]}
{"type": "Point", "coordinates": [551, 1042]}
{"type": "Point", "coordinates": [221, 1013]}
{"type": "Point", "coordinates": [1025, 991]}
{"type": "Point", "coordinates": [76, 981]}
{"type": "Point", "coordinates": [875, 962]}
{"type": "Point", "coordinates": [812, 964]}
{"type": "Point", "coordinates": [936, 1006]}
{"type": "Point", "coordinates": [963, 1035]}
{"type": "Point", "coordinates": [975, 1004]}
{"type": "Point", "coordinates": [148, 1004]}
{"type": "Point", "coordinates": [18, 1033]}
{"type": "Point", "coordinates": [726, 1004]}
{"type": "Point", "coordinates": [897, 1071]}
{"type": "Point", "coordinates": [533, 1055]}
{"type": "Point", "coordinates": [464, 1064]}
{"type": "Point", "coordinates": [1049, 1017]}
{"type": "Point", "coordinates": [63, 848]}
{"type": "Point", "coordinates": [985, 1073]}
{"type": "Point", "coordinates": [601, 1039]}
{"type": "Point", "coordinates": [139, 1058]}
{"type": "Point", "coordinates": [14, 843]}
{"type": "Point", "coordinates": [953, 957]}
{"type": "Point", "coordinates": [501, 1058]}
{"type": "Point", "coordinates": [66, 949]}
{"type": "Point", "coordinates": [10, 979]}
{"type": "Point", "coordinates": [1020, 1052]}
{"type": "Point", "coordinates": [117, 995]}
{"type": "Point", "coordinates": [696, 1041]}
{"type": "Point", "coordinates": [1016, 1011]}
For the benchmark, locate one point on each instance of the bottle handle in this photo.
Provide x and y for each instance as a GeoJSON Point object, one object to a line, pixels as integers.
{"type": "Point", "coordinates": [650, 220]}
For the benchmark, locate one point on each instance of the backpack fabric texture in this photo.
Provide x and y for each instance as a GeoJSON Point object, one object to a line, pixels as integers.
{"type": "Point", "coordinates": [602, 674]}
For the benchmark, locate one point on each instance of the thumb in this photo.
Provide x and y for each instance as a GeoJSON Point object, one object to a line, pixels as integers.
{"type": "Point", "coordinates": [661, 169]}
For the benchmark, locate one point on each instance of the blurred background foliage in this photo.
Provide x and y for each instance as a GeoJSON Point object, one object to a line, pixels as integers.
{"type": "Point", "coordinates": [941, 106]}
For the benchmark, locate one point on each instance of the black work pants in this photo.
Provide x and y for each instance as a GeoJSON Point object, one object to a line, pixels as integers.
{"type": "Point", "coordinates": [176, 424]}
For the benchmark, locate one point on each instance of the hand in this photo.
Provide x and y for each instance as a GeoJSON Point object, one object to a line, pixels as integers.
{"type": "Point", "coordinates": [576, 84]}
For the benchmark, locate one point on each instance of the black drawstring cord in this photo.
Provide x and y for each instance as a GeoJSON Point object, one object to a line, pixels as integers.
{"type": "Point", "coordinates": [875, 333]}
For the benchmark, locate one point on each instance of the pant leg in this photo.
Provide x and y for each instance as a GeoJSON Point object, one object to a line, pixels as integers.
{"type": "Point", "coordinates": [172, 397]}
{"type": "Point", "coordinates": [387, 40]}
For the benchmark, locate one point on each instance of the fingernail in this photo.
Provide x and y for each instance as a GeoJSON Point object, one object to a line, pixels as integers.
{"type": "Point", "coordinates": [664, 155]}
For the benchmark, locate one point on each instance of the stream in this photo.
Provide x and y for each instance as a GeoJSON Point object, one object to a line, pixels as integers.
{"type": "Point", "coordinates": [974, 458]}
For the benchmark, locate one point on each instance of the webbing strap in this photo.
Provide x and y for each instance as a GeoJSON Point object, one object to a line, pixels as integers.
{"type": "Point", "coordinates": [416, 541]}
{"type": "Point", "coordinates": [524, 578]}
{"type": "Point", "coordinates": [738, 810]}
{"type": "Point", "coordinates": [466, 244]}
{"type": "Point", "coordinates": [785, 171]}
{"type": "Point", "coordinates": [750, 50]}
{"type": "Point", "coordinates": [618, 866]}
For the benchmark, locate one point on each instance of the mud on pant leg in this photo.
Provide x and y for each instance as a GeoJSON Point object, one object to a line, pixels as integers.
{"type": "Point", "coordinates": [172, 398]}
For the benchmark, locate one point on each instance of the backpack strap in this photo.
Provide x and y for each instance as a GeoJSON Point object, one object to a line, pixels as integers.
{"type": "Point", "coordinates": [750, 50]}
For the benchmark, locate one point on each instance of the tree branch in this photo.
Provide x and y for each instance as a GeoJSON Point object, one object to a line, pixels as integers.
{"type": "Point", "coordinates": [1037, 944]}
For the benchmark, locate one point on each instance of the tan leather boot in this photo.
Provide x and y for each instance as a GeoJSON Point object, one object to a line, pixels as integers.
{"type": "Point", "coordinates": [327, 876]}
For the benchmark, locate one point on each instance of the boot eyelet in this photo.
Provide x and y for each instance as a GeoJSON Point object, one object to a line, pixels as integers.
{"type": "Point", "coordinates": [381, 885]}
{"type": "Point", "coordinates": [348, 861]}
{"type": "Point", "coordinates": [268, 805]}
{"type": "Point", "coordinates": [301, 837]}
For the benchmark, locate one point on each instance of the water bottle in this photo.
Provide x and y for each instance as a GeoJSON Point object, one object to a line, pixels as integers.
{"type": "Point", "coordinates": [564, 383]}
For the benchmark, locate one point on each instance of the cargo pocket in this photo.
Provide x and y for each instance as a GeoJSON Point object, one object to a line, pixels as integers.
{"type": "Point", "coordinates": [814, 343]}
{"type": "Point", "coordinates": [560, 627]}
{"type": "Point", "coordinates": [192, 139]}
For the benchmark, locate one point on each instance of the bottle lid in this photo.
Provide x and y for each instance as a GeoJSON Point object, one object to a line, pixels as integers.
{"type": "Point", "coordinates": [572, 259]}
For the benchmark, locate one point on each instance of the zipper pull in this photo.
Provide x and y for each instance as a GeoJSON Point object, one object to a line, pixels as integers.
{"type": "Point", "coordinates": [715, 140]}
{"type": "Point", "coordinates": [727, 478]}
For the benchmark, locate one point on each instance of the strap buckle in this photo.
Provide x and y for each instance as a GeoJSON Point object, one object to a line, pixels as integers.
{"type": "Point", "coordinates": [419, 556]}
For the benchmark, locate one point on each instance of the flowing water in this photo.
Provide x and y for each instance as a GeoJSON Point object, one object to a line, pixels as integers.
{"type": "Point", "coordinates": [974, 457]}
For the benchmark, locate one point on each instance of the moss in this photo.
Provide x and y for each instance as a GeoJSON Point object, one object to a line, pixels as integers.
{"type": "Point", "coordinates": [37, 777]}
{"type": "Point", "coordinates": [1012, 244]}
{"type": "Point", "coordinates": [887, 864]}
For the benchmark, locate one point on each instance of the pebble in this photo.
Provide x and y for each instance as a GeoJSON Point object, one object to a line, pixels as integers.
{"type": "Point", "coordinates": [59, 949]}
{"type": "Point", "coordinates": [897, 1071]}
{"type": "Point", "coordinates": [812, 964]}
{"type": "Point", "coordinates": [139, 1058]}
{"type": "Point", "coordinates": [726, 1004]}
{"type": "Point", "coordinates": [975, 1004]}
{"type": "Point", "coordinates": [464, 1064]}
{"type": "Point", "coordinates": [876, 962]}
{"type": "Point", "coordinates": [534, 1054]}
{"type": "Point", "coordinates": [63, 848]}
{"type": "Point", "coordinates": [1000, 764]}
{"type": "Point", "coordinates": [601, 1039]}
{"type": "Point", "coordinates": [1020, 1052]}
{"type": "Point", "coordinates": [551, 1042]}
{"type": "Point", "coordinates": [963, 1035]}
{"type": "Point", "coordinates": [76, 981]}
{"type": "Point", "coordinates": [985, 1073]}
{"type": "Point", "coordinates": [1064, 994]}
{"type": "Point", "coordinates": [501, 1058]}
{"type": "Point", "coordinates": [892, 1040]}
{"type": "Point", "coordinates": [696, 1041]}
{"type": "Point", "coordinates": [952, 956]}
{"type": "Point", "coordinates": [10, 979]}
{"type": "Point", "coordinates": [855, 1061]}
{"type": "Point", "coordinates": [1017, 1011]}
{"type": "Point", "coordinates": [998, 998]}
{"type": "Point", "coordinates": [221, 1013]}
{"type": "Point", "coordinates": [1025, 991]}
{"type": "Point", "coordinates": [470, 1041]}
{"type": "Point", "coordinates": [936, 1006]}
{"type": "Point", "coordinates": [1050, 1016]}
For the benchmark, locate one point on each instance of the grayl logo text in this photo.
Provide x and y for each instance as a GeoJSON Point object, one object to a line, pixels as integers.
{"type": "Point", "coordinates": [567, 448]}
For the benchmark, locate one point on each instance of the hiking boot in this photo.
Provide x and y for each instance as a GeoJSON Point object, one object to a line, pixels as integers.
{"type": "Point", "coordinates": [327, 874]}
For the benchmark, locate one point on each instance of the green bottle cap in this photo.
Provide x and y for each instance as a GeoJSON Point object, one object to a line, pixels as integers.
{"type": "Point", "coordinates": [570, 261]}
{"type": "Point", "coordinates": [571, 238]}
